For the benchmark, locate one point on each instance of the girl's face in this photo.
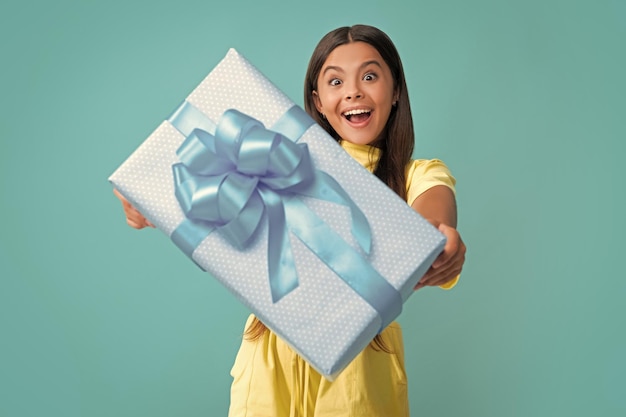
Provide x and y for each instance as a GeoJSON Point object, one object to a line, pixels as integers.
{"type": "Point", "coordinates": [355, 92]}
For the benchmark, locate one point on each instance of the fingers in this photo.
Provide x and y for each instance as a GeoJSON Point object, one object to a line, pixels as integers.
{"type": "Point", "coordinates": [436, 277]}
{"type": "Point", "coordinates": [449, 263]}
{"type": "Point", "coordinates": [137, 222]}
{"type": "Point", "coordinates": [133, 217]}
{"type": "Point", "coordinates": [453, 239]}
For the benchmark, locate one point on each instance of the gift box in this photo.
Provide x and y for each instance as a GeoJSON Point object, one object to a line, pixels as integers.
{"type": "Point", "coordinates": [255, 193]}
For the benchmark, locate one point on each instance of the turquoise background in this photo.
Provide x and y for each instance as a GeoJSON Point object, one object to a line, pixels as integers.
{"type": "Point", "coordinates": [525, 101]}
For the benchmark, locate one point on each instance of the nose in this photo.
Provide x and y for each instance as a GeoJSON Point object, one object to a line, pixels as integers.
{"type": "Point", "coordinates": [353, 91]}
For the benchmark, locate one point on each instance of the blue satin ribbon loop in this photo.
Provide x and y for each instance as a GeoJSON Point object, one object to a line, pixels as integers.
{"type": "Point", "coordinates": [240, 229]}
{"type": "Point", "coordinates": [237, 175]}
{"type": "Point", "coordinates": [231, 131]}
{"type": "Point", "coordinates": [198, 153]}
{"type": "Point", "coordinates": [255, 151]}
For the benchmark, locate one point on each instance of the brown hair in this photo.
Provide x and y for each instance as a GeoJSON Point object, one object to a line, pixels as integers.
{"type": "Point", "coordinates": [398, 137]}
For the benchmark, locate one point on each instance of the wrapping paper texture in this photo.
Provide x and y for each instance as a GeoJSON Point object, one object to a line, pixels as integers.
{"type": "Point", "coordinates": [323, 319]}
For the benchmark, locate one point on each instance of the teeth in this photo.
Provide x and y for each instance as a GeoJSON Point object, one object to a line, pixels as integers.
{"type": "Point", "coordinates": [356, 111]}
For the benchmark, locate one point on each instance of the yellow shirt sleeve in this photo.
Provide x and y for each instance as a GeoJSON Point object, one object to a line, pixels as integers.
{"type": "Point", "coordinates": [423, 174]}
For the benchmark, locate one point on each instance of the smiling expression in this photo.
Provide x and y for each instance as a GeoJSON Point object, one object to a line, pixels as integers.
{"type": "Point", "coordinates": [356, 92]}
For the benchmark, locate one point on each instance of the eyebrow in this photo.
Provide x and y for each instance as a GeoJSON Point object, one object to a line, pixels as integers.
{"type": "Point", "coordinates": [363, 65]}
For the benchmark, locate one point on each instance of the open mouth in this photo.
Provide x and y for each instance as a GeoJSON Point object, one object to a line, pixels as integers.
{"type": "Point", "coordinates": [357, 115]}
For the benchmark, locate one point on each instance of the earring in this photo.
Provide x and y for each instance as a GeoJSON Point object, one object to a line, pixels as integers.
{"type": "Point", "coordinates": [323, 115]}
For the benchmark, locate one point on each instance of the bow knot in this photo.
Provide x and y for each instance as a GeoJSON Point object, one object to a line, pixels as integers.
{"type": "Point", "coordinates": [225, 179]}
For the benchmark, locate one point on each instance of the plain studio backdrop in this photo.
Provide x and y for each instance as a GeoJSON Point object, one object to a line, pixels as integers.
{"type": "Point", "coordinates": [524, 100]}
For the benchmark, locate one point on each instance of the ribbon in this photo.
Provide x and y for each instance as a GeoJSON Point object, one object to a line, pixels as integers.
{"type": "Point", "coordinates": [242, 175]}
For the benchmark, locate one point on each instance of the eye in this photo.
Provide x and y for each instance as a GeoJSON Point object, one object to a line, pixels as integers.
{"type": "Point", "coordinates": [370, 76]}
{"type": "Point", "coordinates": [334, 82]}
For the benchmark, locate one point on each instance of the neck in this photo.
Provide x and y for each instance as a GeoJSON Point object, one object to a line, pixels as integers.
{"type": "Point", "coordinates": [366, 155]}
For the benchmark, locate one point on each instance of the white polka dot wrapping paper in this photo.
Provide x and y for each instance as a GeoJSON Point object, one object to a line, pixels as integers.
{"type": "Point", "coordinates": [322, 318]}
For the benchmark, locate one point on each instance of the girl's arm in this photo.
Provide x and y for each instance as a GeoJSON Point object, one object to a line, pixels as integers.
{"type": "Point", "coordinates": [133, 217]}
{"type": "Point", "coordinates": [438, 206]}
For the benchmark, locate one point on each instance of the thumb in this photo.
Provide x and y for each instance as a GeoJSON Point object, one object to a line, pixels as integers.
{"type": "Point", "coordinates": [443, 256]}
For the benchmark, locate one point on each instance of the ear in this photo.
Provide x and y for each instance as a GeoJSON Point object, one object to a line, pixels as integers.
{"type": "Point", "coordinates": [396, 95]}
{"type": "Point", "coordinates": [318, 102]}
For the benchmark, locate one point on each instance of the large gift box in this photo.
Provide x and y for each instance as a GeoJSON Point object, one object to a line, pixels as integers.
{"type": "Point", "coordinates": [262, 198]}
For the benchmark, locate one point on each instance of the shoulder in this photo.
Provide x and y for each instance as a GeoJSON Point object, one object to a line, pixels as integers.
{"type": "Point", "coordinates": [423, 174]}
{"type": "Point", "coordinates": [428, 168]}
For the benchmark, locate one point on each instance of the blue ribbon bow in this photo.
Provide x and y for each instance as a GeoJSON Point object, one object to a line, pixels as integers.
{"type": "Point", "coordinates": [235, 179]}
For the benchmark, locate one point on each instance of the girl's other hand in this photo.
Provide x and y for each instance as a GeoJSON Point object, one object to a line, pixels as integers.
{"type": "Point", "coordinates": [449, 263]}
{"type": "Point", "coordinates": [133, 217]}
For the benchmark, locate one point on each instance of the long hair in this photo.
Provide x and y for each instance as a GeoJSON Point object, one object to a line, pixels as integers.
{"type": "Point", "coordinates": [398, 137]}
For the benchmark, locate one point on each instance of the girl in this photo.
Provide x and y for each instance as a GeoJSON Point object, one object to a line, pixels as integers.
{"type": "Point", "coordinates": [356, 90]}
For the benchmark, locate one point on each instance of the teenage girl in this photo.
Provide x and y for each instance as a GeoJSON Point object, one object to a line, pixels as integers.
{"type": "Point", "coordinates": [356, 90]}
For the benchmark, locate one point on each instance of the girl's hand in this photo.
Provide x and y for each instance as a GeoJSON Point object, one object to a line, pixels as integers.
{"type": "Point", "coordinates": [449, 263]}
{"type": "Point", "coordinates": [133, 217]}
